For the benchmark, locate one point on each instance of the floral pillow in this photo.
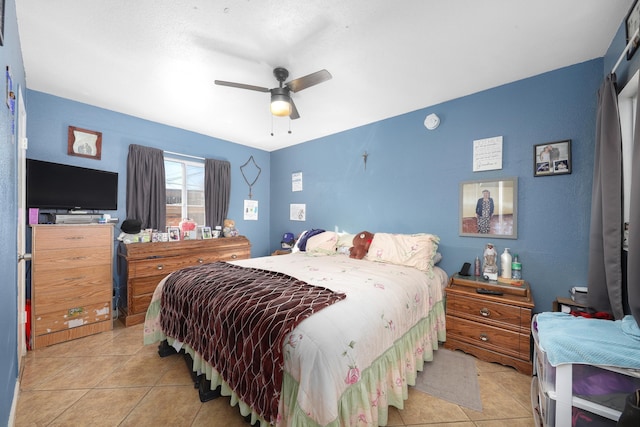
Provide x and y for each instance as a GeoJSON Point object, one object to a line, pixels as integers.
{"type": "Point", "coordinates": [324, 243]}
{"type": "Point", "coordinates": [413, 250]}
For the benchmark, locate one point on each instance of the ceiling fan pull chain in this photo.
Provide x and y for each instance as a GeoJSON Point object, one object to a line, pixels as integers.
{"type": "Point", "coordinates": [272, 125]}
{"type": "Point", "coordinates": [289, 125]}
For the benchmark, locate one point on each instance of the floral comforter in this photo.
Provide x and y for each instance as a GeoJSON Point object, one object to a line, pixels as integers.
{"type": "Point", "coordinates": [347, 363]}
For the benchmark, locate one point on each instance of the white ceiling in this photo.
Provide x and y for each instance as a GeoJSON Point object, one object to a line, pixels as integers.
{"type": "Point", "coordinates": [157, 60]}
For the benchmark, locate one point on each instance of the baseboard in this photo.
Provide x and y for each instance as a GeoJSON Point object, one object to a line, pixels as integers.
{"type": "Point", "coordinates": [14, 404]}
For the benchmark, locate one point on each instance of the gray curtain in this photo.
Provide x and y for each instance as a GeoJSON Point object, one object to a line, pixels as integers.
{"type": "Point", "coordinates": [605, 237]}
{"type": "Point", "coordinates": [633, 253]}
{"type": "Point", "coordinates": [146, 188]}
{"type": "Point", "coordinates": [217, 191]}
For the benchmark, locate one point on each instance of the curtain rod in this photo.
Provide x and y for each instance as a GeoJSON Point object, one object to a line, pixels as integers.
{"type": "Point", "coordinates": [184, 155]}
{"type": "Point", "coordinates": [626, 49]}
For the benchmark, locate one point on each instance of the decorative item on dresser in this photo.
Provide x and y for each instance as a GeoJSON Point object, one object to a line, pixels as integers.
{"type": "Point", "coordinates": [143, 265]}
{"type": "Point", "coordinates": [72, 282]}
{"type": "Point", "coordinates": [493, 327]}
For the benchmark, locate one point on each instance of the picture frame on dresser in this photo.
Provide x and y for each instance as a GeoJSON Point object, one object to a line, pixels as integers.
{"type": "Point", "coordinates": [174, 234]}
{"type": "Point", "coordinates": [489, 208]}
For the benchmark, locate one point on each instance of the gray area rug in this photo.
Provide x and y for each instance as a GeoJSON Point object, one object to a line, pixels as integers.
{"type": "Point", "coordinates": [451, 376]}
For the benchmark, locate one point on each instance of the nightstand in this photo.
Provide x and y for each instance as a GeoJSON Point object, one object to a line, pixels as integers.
{"type": "Point", "coordinates": [493, 328]}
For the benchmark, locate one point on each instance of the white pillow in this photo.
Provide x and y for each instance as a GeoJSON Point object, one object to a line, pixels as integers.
{"type": "Point", "coordinates": [324, 243]}
{"type": "Point", "coordinates": [413, 250]}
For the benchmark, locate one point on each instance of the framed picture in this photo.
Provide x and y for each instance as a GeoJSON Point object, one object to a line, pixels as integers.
{"type": "Point", "coordinates": [552, 158]}
{"type": "Point", "coordinates": [84, 143]}
{"type": "Point", "coordinates": [632, 24]}
{"type": "Point", "coordinates": [2, 22]}
{"type": "Point", "coordinates": [489, 208]}
{"type": "Point", "coordinates": [206, 232]}
{"type": "Point", "coordinates": [174, 234]}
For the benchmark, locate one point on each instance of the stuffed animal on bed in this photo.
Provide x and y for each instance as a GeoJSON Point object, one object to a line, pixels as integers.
{"type": "Point", "coordinates": [361, 243]}
{"type": "Point", "coordinates": [229, 229]}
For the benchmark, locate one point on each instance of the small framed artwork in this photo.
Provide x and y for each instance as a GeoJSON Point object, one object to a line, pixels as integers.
{"type": "Point", "coordinates": [489, 208]}
{"type": "Point", "coordinates": [84, 143]}
{"type": "Point", "coordinates": [2, 5]}
{"type": "Point", "coordinates": [206, 232]}
{"type": "Point", "coordinates": [632, 24]}
{"type": "Point", "coordinates": [174, 234]}
{"type": "Point", "coordinates": [552, 158]}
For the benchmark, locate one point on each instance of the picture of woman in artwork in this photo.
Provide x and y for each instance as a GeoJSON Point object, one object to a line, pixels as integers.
{"type": "Point", "coordinates": [484, 212]}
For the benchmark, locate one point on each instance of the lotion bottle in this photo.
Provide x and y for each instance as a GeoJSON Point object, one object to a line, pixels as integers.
{"type": "Point", "coordinates": [505, 261]}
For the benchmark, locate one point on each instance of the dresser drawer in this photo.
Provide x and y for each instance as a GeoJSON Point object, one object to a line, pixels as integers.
{"type": "Point", "coordinates": [60, 237]}
{"type": "Point", "coordinates": [163, 266]}
{"type": "Point", "coordinates": [504, 315]}
{"type": "Point", "coordinates": [71, 316]}
{"type": "Point", "coordinates": [489, 337]}
{"type": "Point", "coordinates": [59, 259]}
{"type": "Point", "coordinates": [139, 303]}
{"type": "Point", "coordinates": [65, 288]}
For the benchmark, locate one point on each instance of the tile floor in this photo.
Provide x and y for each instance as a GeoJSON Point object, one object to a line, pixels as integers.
{"type": "Point", "coordinates": [112, 379]}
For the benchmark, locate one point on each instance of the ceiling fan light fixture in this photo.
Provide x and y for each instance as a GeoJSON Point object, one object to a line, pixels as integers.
{"type": "Point", "coordinates": [280, 105]}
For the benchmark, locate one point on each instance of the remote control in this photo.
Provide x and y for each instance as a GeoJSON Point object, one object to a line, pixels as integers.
{"type": "Point", "coordinates": [488, 291]}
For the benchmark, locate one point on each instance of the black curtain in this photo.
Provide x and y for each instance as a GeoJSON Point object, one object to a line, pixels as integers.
{"type": "Point", "coordinates": [217, 191]}
{"type": "Point", "coordinates": [633, 248]}
{"type": "Point", "coordinates": [605, 237]}
{"type": "Point", "coordinates": [146, 188]}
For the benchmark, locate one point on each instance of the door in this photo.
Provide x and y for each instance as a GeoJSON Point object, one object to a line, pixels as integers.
{"type": "Point", "coordinates": [21, 154]}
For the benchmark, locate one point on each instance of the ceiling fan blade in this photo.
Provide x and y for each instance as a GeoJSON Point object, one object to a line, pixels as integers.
{"type": "Point", "coordinates": [294, 111]}
{"type": "Point", "coordinates": [241, 86]}
{"type": "Point", "coordinates": [308, 80]}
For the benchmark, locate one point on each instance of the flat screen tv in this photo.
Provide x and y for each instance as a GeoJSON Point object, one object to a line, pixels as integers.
{"type": "Point", "coordinates": [58, 186]}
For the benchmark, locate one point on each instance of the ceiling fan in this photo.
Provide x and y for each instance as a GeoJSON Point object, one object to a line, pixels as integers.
{"type": "Point", "coordinates": [281, 103]}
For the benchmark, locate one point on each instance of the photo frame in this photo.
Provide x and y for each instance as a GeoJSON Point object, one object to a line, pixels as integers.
{"type": "Point", "coordinates": [84, 143]}
{"type": "Point", "coordinates": [2, 7]}
{"type": "Point", "coordinates": [552, 158]}
{"type": "Point", "coordinates": [205, 232]}
{"type": "Point", "coordinates": [489, 208]}
{"type": "Point", "coordinates": [632, 23]}
{"type": "Point", "coordinates": [174, 234]}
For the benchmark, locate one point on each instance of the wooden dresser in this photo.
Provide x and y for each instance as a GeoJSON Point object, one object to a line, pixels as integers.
{"type": "Point", "coordinates": [493, 328]}
{"type": "Point", "coordinates": [71, 282]}
{"type": "Point", "coordinates": [143, 265]}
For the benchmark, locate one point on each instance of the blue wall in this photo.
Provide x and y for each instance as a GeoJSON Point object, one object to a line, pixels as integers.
{"type": "Point", "coordinates": [11, 56]}
{"type": "Point", "coordinates": [412, 177]}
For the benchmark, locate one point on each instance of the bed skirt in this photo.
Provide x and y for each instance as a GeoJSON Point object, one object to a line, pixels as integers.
{"type": "Point", "coordinates": [384, 383]}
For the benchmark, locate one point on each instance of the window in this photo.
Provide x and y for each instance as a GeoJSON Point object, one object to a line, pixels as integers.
{"type": "Point", "coordinates": [185, 191]}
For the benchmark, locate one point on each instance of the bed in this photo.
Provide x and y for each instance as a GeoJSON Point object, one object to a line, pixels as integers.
{"type": "Point", "coordinates": [344, 361]}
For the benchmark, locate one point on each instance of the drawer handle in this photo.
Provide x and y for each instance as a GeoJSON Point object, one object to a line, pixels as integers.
{"type": "Point", "coordinates": [234, 256]}
{"type": "Point", "coordinates": [74, 238]}
{"type": "Point", "coordinates": [200, 260]}
{"type": "Point", "coordinates": [485, 312]}
{"type": "Point", "coordinates": [484, 337]}
{"type": "Point", "coordinates": [74, 278]}
{"type": "Point", "coordinates": [78, 258]}
{"type": "Point", "coordinates": [160, 266]}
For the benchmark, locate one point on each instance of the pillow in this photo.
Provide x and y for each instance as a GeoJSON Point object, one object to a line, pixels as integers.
{"type": "Point", "coordinates": [412, 250]}
{"type": "Point", "coordinates": [345, 241]}
{"type": "Point", "coordinates": [322, 244]}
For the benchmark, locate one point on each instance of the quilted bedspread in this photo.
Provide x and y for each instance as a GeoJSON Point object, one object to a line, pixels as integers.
{"type": "Point", "coordinates": [345, 364]}
{"type": "Point", "coordinates": [237, 319]}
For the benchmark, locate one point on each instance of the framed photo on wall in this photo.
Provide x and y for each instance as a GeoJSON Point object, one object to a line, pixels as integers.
{"type": "Point", "coordinates": [552, 158]}
{"type": "Point", "coordinates": [84, 143]}
{"type": "Point", "coordinates": [632, 23]}
{"type": "Point", "coordinates": [489, 208]}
